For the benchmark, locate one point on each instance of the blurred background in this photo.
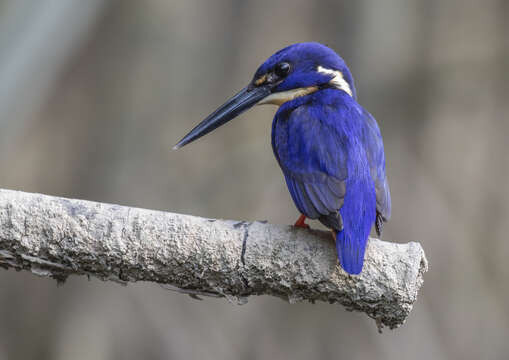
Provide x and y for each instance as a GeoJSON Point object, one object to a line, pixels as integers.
{"type": "Point", "coordinates": [93, 95]}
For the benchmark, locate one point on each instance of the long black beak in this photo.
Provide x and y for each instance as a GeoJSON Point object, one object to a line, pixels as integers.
{"type": "Point", "coordinates": [235, 106]}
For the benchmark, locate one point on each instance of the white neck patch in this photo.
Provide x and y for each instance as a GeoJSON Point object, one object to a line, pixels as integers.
{"type": "Point", "coordinates": [279, 98]}
{"type": "Point", "coordinates": [338, 81]}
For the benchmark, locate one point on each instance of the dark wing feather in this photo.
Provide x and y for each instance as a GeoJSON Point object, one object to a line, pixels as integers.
{"type": "Point", "coordinates": [315, 198]}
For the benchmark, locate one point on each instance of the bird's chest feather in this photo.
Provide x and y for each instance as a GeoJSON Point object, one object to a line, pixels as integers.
{"type": "Point", "coordinates": [323, 134]}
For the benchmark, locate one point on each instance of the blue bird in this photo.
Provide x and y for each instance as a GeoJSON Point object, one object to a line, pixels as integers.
{"type": "Point", "coordinates": [329, 148]}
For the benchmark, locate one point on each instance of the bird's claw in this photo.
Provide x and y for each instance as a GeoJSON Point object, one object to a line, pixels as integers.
{"type": "Point", "coordinates": [300, 223]}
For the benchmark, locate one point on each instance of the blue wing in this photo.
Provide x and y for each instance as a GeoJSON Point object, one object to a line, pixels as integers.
{"type": "Point", "coordinates": [373, 143]}
{"type": "Point", "coordinates": [312, 156]}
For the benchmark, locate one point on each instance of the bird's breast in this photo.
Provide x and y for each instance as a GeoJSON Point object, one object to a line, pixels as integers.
{"type": "Point", "coordinates": [324, 137]}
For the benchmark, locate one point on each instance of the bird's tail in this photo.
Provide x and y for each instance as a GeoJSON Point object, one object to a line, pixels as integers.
{"type": "Point", "coordinates": [358, 213]}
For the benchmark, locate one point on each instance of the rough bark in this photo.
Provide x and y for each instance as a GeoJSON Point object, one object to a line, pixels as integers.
{"type": "Point", "coordinates": [57, 237]}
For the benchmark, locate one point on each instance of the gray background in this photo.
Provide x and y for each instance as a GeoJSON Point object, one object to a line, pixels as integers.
{"type": "Point", "coordinates": [93, 95]}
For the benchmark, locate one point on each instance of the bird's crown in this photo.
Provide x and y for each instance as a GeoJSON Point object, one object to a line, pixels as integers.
{"type": "Point", "coordinates": [305, 65]}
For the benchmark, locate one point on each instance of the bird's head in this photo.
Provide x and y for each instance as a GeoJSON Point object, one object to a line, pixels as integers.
{"type": "Point", "coordinates": [295, 71]}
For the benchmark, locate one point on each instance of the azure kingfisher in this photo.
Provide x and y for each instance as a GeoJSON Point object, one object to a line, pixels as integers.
{"type": "Point", "coordinates": [328, 146]}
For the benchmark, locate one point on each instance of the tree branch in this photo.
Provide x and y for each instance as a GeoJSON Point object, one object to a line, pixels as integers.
{"type": "Point", "coordinates": [57, 237]}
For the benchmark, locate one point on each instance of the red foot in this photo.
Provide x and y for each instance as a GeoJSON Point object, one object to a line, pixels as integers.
{"type": "Point", "coordinates": [301, 222]}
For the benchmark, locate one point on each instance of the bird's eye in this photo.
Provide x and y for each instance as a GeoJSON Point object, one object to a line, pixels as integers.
{"type": "Point", "coordinates": [282, 69]}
